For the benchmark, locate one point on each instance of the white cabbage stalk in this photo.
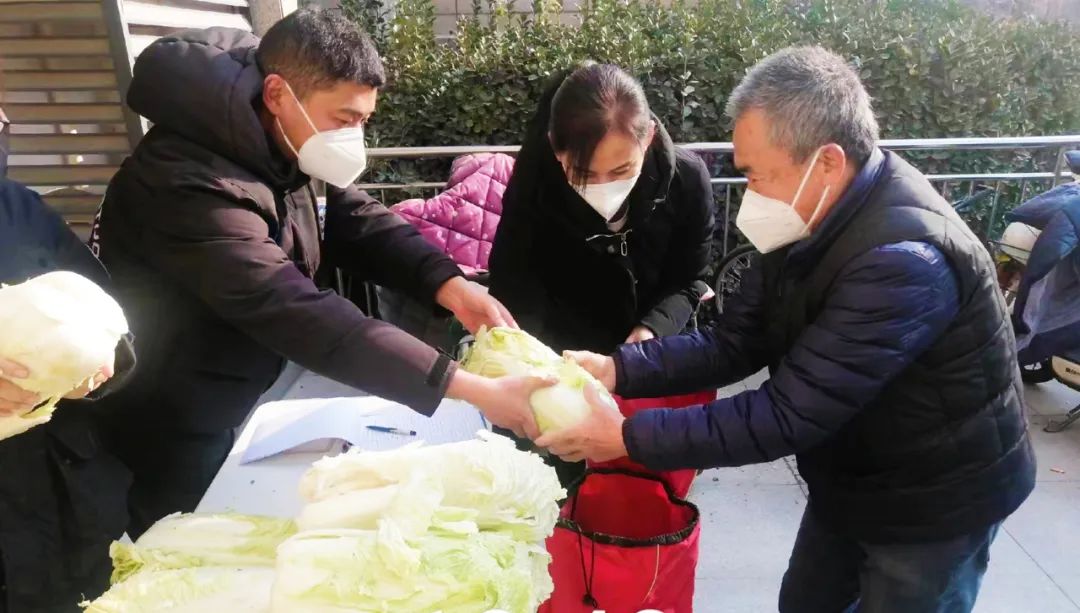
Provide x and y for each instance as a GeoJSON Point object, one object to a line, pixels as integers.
{"type": "Point", "coordinates": [208, 589]}
{"type": "Point", "coordinates": [63, 328]}
{"type": "Point", "coordinates": [502, 352]}
{"type": "Point", "coordinates": [383, 570]}
{"type": "Point", "coordinates": [416, 505]}
{"type": "Point", "coordinates": [193, 540]}
{"type": "Point", "coordinates": [486, 482]}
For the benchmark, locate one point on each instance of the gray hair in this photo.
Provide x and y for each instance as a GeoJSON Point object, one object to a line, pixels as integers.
{"type": "Point", "coordinates": [811, 98]}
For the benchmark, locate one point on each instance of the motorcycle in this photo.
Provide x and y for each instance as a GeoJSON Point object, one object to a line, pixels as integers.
{"type": "Point", "coordinates": [1038, 265]}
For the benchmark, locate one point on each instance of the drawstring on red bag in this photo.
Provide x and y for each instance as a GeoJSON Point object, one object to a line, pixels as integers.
{"type": "Point", "coordinates": [588, 599]}
{"type": "Point", "coordinates": [656, 575]}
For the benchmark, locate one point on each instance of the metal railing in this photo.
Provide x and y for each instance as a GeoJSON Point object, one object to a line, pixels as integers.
{"type": "Point", "coordinates": [1016, 185]}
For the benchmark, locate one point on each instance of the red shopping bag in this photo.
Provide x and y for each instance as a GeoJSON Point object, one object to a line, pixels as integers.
{"type": "Point", "coordinates": [624, 543]}
{"type": "Point", "coordinates": [680, 480]}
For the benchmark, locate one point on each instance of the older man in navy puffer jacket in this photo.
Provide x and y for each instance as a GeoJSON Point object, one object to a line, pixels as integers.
{"type": "Point", "coordinates": [893, 366]}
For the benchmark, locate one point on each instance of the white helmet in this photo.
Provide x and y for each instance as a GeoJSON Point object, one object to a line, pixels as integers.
{"type": "Point", "coordinates": [1018, 241]}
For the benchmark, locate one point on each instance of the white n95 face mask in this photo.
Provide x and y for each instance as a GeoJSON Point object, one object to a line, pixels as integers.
{"type": "Point", "coordinates": [607, 198]}
{"type": "Point", "coordinates": [769, 223]}
{"type": "Point", "coordinates": [335, 156]}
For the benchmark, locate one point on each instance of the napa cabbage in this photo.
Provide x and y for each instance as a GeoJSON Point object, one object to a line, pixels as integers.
{"type": "Point", "coordinates": [63, 328]}
{"type": "Point", "coordinates": [189, 540]}
{"type": "Point", "coordinates": [499, 352]}
{"type": "Point", "coordinates": [386, 570]}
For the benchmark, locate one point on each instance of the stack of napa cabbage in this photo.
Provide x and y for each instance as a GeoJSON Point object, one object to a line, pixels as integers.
{"type": "Point", "coordinates": [457, 528]}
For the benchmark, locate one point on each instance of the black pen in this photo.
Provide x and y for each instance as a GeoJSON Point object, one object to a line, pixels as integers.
{"type": "Point", "coordinates": [389, 430]}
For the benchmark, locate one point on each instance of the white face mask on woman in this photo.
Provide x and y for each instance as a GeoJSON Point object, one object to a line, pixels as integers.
{"type": "Point", "coordinates": [335, 156]}
{"type": "Point", "coordinates": [607, 198]}
{"type": "Point", "coordinates": [770, 223]}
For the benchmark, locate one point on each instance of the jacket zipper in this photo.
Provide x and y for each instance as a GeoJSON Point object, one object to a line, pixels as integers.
{"type": "Point", "coordinates": [624, 247]}
{"type": "Point", "coordinates": [624, 250]}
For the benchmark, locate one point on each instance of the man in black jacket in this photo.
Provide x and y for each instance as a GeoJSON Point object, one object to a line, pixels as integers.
{"type": "Point", "coordinates": [62, 497]}
{"type": "Point", "coordinates": [210, 232]}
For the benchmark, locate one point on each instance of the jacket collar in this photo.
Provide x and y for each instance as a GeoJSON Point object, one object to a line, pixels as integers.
{"type": "Point", "coordinates": [834, 222]}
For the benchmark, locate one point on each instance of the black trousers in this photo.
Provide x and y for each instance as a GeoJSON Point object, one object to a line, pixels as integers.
{"type": "Point", "coordinates": [62, 502]}
{"type": "Point", "coordinates": [172, 469]}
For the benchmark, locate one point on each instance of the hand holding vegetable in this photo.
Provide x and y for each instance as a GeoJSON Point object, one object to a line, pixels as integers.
{"type": "Point", "coordinates": [92, 384]}
{"type": "Point", "coordinates": [64, 329]}
{"type": "Point", "coordinates": [473, 306]}
{"type": "Point", "coordinates": [504, 354]}
{"type": "Point", "coordinates": [640, 334]}
{"type": "Point", "coordinates": [503, 401]}
{"type": "Point", "coordinates": [600, 366]}
{"type": "Point", "coordinates": [14, 400]}
{"type": "Point", "coordinates": [598, 437]}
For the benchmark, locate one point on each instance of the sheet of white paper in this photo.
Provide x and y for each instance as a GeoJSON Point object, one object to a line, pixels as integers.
{"type": "Point", "coordinates": [453, 421]}
{"type": "Point", "coordinates": [298, 425]}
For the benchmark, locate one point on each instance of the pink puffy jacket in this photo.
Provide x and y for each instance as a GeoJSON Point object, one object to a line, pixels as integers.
{"type": "Point", "coordinates": [462, 220]}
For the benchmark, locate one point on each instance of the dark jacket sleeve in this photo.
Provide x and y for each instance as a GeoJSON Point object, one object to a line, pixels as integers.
{"type": "Point", "coordinates": [887, 307]}
{"type": "Point", "coordinates": [691, 245]}
{"type": "Point", "coordinates": [513, 281]}
{"type": "Point", "coordinates": [733, 349]}
{"type": "Point", "coordinates": [220, 251]}
{"type": "Point", "coordinates": [374, 243]}
{"type": "Point", "coordinates": [73, 255]}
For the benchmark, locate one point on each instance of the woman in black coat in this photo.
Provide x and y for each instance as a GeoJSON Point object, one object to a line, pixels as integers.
{"type": "Point", "coordinates": [607, 226]}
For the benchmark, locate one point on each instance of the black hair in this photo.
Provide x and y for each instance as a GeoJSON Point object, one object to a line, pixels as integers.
{"type": "Point", "coordinates": [591, 101]}
{"type": "Point", "coordinates": [316, 49]}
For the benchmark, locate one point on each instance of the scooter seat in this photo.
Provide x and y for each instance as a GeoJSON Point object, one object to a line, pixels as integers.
{"type": "Point", "coordinates": [1066, 371]}
{"type": "Point", "coordinates": [1072, 355]}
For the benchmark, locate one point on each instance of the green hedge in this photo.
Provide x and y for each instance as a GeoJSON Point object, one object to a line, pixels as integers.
{"type": "Point", "coordinates": [934, 68]}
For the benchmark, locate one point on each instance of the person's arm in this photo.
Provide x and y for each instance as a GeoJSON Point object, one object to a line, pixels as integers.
{"type": "Point", "coordinates": [887, 308]}
{"type": "Point", "coordinates": [731, 350]}
{"type": "Point", "coordinates": [374, 243]}
{"type": "Point", "coordinates": [72, 254]}
{"type": "Point", "coordinates": [513, 281]}
{"type": "Point", "coordinates": [221, 252]}
{"type": "Point", "coordinates": [114, 377]}
{"type": "Point", "coordinates": [378, 245]}
{"type": "Point", "coordinates": [69, 252]}
{"type": "Point", "coordinates": [688, 257]}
